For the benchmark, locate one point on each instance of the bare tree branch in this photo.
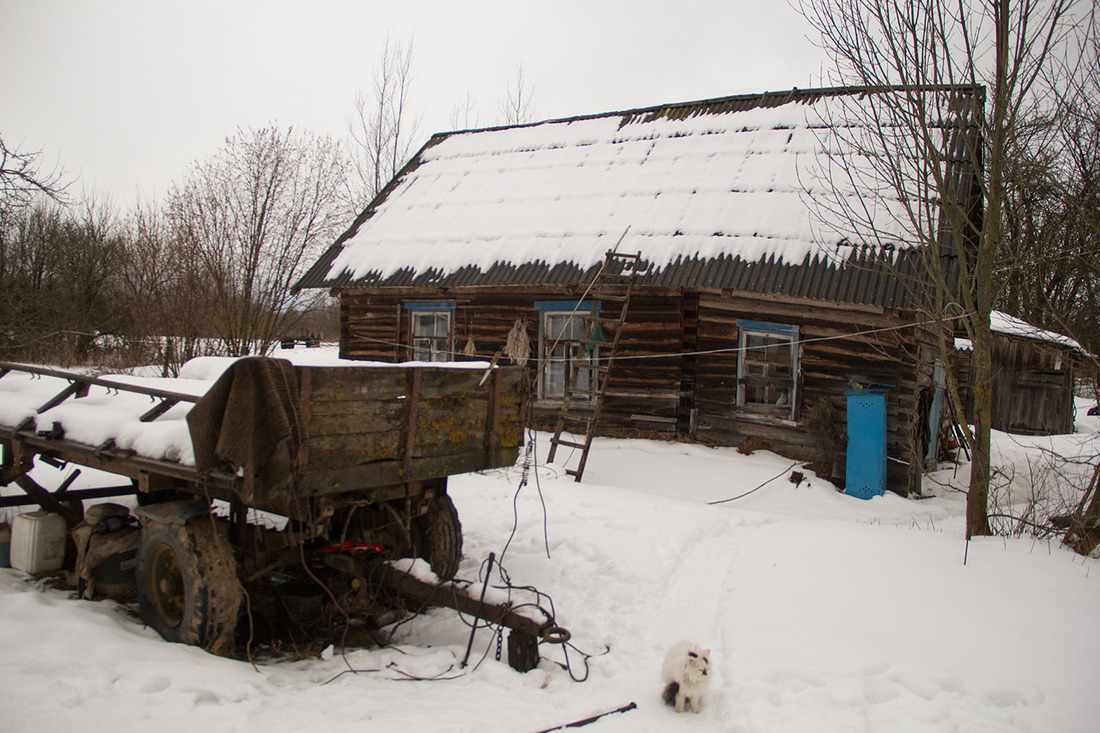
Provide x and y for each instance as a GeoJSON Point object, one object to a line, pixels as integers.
{"type": "Point", "coordinates": [518, 106]}
{"type": "Point", "coordinates": [963, 74]}
{"type": "Point", "coordinates": [250, 219]}
{"type": "Point", "coordinates": [21, 180]}
{"type": "Point", "coordinates": [380, 127]}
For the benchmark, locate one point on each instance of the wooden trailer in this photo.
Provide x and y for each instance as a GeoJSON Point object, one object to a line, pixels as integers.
{"type": "Point", "coordinates": [321, 475]}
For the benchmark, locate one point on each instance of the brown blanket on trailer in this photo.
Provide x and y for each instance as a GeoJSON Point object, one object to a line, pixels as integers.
{"type": "Point", "coordinates": [249, 420]}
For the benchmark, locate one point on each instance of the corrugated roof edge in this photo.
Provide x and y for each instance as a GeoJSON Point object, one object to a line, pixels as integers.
{"type": "Point", "coordinates": [860, 277]}
{"type": "Point", "coordinates": [317, 276]}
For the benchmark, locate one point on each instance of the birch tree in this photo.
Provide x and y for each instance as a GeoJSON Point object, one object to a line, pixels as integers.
{"type": "Point", "coordinates": [965, 73]}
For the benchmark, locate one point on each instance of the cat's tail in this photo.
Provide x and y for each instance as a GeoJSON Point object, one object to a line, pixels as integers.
{"type": "Point", "coordinates": [669, 695]}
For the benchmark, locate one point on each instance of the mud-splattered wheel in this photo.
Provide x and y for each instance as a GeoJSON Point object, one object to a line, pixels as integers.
{"type": "Point", "coordinates": [187, 584]}
{"type": "Point", "coordinates": [438, 537]}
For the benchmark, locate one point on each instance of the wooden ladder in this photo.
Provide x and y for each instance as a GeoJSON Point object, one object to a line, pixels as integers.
{"type": "Point", "coordinates": [581, 406]}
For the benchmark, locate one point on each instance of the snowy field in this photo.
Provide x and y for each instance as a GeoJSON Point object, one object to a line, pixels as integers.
{"type": "Point", "coordinates": [822, 613]}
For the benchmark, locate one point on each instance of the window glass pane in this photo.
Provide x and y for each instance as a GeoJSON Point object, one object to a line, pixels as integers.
{"type": "Point", "coordinates": [431, 335]}
{"type": "Point", "coordinates": [561, 334]}
{"type": "Point", "coordinates": [766, 372]}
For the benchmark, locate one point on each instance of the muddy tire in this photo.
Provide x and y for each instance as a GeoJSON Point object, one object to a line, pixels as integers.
{"type": "Point", "coordinates": [187, 584]}
{"type": "Point", "coordinates": [438, 537]}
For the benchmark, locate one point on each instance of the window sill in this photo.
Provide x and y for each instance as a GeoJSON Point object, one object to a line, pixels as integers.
{"type": "Point", "coordinates": [770, 419]}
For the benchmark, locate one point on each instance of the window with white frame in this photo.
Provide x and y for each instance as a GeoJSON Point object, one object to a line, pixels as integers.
{"type": "Point", "coordinates": [431, 331]}
{"type": "Point", "coordinates": [561, 329]}
{"type": "Point", "coordinates": [767, 369]}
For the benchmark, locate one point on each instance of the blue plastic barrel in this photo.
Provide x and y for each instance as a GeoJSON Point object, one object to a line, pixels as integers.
{"type": "Point", "coordinates": [865, 473]}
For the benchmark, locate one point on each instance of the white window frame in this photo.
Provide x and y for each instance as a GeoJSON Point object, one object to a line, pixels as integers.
{"type": "Point", "coordinates": [434, 346]}
{"type": "Point", "coordinates": [767, 380]}
{"type": "Point", "coordinates": [557, 355]}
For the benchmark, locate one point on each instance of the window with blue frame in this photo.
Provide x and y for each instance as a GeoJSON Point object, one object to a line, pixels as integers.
{"type": "Point", "coordinates": [431, 330]}
{"type": "Point", "coordinates": [561, 329]}
{"type": "Point", "coordinates": [767, 369]}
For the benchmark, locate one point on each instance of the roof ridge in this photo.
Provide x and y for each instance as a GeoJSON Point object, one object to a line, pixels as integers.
{"type": "Point", "coordinates": [729, 103]}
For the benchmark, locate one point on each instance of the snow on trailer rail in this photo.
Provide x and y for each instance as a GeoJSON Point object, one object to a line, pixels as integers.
{"type": "Point", "coordinates": [356, 458]}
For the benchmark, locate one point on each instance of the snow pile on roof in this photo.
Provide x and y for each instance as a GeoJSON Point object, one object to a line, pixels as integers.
{"type": "Point", "coordinates": [1013, 326]}
{"type": "Point", "coordinates": [717, 183]}
{"type": "Point", "coordinates": [1000, 322]}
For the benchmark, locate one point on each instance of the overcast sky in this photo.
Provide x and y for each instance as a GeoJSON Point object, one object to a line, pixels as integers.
{"type": "Point", "coordinates": [126, 93]}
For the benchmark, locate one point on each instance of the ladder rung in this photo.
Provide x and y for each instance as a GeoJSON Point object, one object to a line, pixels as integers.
{"type": "Point", "coordinates": [569, 443]}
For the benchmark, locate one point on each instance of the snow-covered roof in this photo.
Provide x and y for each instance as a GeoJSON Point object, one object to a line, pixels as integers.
{"type": "Point", "coordinates": [719, 180]}
{"type": "Point", "coordinates": [1012, 326]}
{"type": "Point", "coordinates": [1000, 322]}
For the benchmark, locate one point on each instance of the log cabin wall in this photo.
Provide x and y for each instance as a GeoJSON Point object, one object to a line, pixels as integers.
{"type": "Point", "coordinates": [840, 346]}
{"type": "Point", "coordinates": [644, 392]}
{"type": "Point", "coordinates": [676, 368]}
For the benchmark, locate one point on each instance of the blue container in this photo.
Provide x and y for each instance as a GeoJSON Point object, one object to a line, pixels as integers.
{"type": "Point", "coordinates": [865, 473]}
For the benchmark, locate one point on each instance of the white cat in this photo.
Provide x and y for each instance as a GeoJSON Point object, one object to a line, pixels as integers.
{"type": "Point", "coordinates": [686, 671]}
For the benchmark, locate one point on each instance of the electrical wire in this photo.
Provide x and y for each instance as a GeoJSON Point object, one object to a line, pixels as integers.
{"type": "Point", "coordinates": [773, 478]}
{"type": "Point", "coordinates": [728, 349]}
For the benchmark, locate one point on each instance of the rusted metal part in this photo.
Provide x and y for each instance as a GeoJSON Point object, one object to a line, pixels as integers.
{"type": "Point", "coordinates": [481, 600]}
{"type": "Point", "coordinates": [78, 495]}
{"type": "Point", "coordinates": [585, 721]}
{"type": "Point", "coordinates": [164, 406]}
{"type": "Point", "coordinates": [46, 500]}
{"type": "Point", "coordinates": [82, 382]}
{"type": "Point", "coordinates": [26, 444]}
{"type": "Point", "coordinates": [173, 512]}
{"type": "Point", "coordinates": [450, 595]}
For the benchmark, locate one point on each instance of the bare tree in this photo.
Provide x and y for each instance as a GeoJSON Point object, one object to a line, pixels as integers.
{"type": "Point", "coordinates": [21, 179]}
{"type": "Point", "coordinates": [58, 282]}
{"type": "Point", "coordinates": [964, 74]}
{"type": "Point", "coordinates": [381, 130]}
{"type": "Point", "coordinates": [464, 114]}
{"type": "Point", "coordinates": [249, 220]}
{"type": "Point", "coordinates": [518, 106]}
{"type": "Point", "coordinates": [1050, 256]}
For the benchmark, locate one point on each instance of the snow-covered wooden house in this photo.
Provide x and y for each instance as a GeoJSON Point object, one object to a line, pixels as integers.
{"type": "Point", "coordinates": [754, 314]}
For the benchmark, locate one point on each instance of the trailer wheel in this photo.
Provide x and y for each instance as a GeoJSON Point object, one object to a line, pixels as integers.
{"type": "Point", "coordinates": [438, 536]}
{"type": "Point", "coordinates": [187, 584]}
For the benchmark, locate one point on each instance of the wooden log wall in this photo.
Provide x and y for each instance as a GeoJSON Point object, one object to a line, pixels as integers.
{"type": "Point", "coordinates": [675, 372]}
{"type": "Point", "coordinates": [644, 391]}
{"type": "Point", "coordinates": [842, 346]}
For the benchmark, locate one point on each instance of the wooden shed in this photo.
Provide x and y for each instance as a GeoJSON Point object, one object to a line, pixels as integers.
{"type": "Point", "coordinates": [1034, 377]}
{"type": "Point", "coordinates": [749, 318]}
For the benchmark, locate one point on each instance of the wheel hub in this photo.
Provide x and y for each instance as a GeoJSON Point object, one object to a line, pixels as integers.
{"type": "Point", "coordinates": [166, 586]}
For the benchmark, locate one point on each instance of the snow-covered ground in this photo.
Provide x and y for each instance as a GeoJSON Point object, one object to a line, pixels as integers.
{"type": "Point", "coordinates": [822, 613]}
